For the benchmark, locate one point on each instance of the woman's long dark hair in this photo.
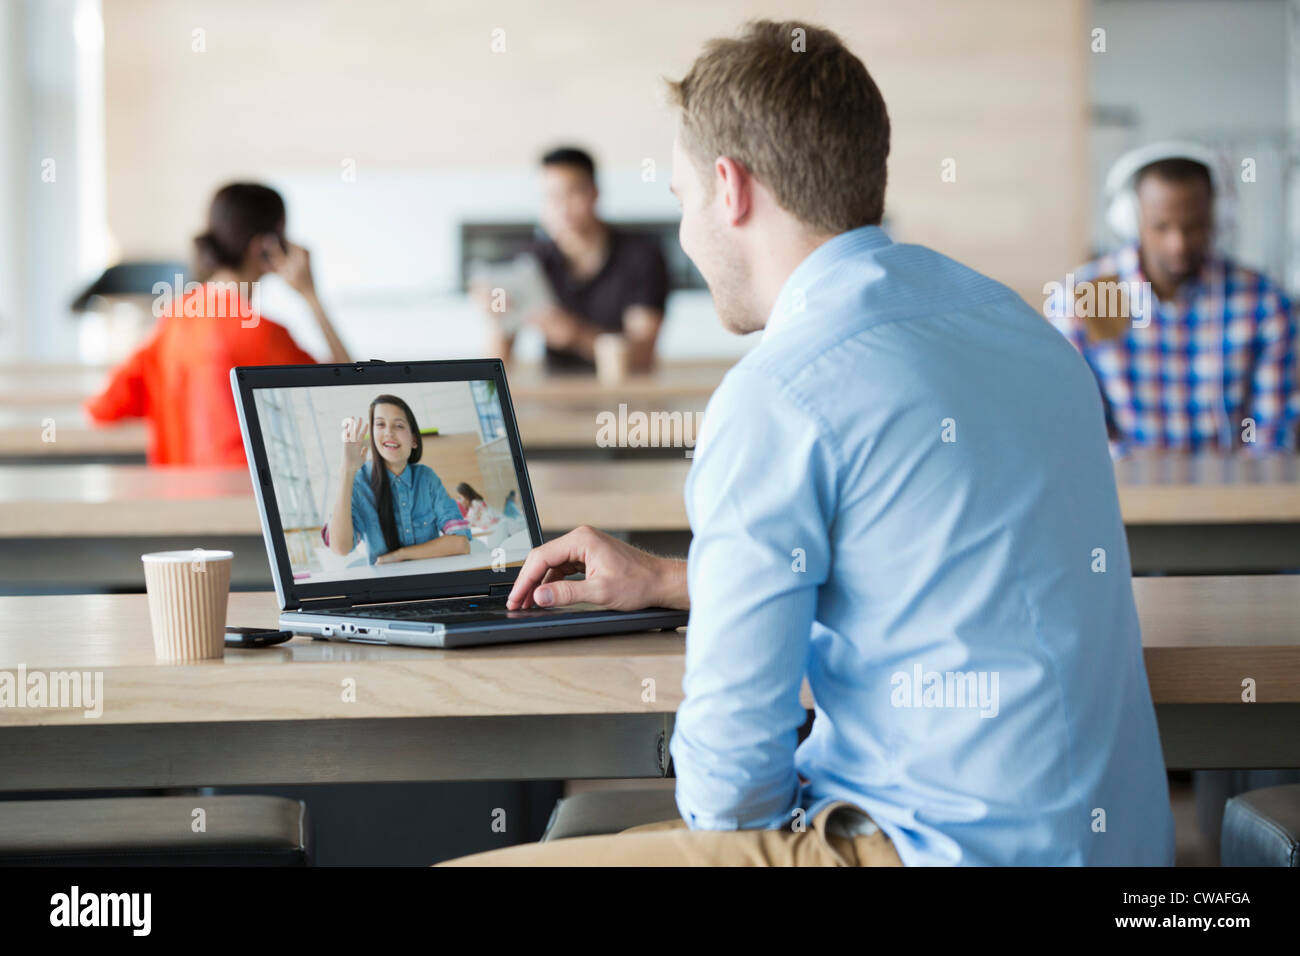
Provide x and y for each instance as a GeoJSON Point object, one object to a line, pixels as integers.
{"type": "Point", "coordinates": [466, 489]}
{"type": "Point", "coordinates": [379, 469]}
{"type": "Point", "coordinates": [239, 213]}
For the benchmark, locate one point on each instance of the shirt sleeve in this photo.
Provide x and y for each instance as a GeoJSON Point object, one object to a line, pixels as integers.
{"type": "Point", "coordinates": [1273, 400]}
{"type": "Point", "coordinates": [125, 395]}
{"type": "Point", "coordinates": [761, 498]}
{"type": "Point", "coordinates": [364, 515]}
{"type": "Point", "coordinates": [649, 286]}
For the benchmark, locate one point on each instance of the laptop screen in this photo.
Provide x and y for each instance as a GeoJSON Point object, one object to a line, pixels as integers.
{"type": "Point", "coordinates": [389, 480]}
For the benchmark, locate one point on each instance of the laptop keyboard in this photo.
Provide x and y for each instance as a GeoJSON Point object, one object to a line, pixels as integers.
{"type": "Point", "coordinates": [434, 610]}
{"type": "Point", "coordinates": [429, 610]}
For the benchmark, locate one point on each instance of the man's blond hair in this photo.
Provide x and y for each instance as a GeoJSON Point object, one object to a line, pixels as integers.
{"type": "Point", "coordinates": [800, 112]}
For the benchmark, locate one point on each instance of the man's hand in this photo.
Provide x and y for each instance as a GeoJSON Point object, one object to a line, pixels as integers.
{"type": "Point", "coordinates": [619, 576]}
{"type": "Point", "coordinates": [558, 327]}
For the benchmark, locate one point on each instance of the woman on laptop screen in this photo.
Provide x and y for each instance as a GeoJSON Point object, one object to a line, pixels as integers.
{"type": "Point", "coordinates": [386, 498]}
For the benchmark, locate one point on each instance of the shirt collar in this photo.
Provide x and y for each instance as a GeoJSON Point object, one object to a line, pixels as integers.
{"type": "Point", "coordinates": [1128, 264]}
{"type": "Point", "coordinates": [405, 477]}
{"type": "Point", "coordinates": [792, 301]}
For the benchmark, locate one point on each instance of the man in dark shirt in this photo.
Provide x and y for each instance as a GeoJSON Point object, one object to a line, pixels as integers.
{"type": "Point", "coordinates": [603, 280]}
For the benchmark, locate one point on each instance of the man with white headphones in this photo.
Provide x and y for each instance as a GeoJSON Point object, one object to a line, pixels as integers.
{"type": "Point", "coordinates": [1211, 362]}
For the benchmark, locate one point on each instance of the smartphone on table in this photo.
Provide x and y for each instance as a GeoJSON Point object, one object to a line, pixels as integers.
{"type": "Point", "coordinates": [255, 636]}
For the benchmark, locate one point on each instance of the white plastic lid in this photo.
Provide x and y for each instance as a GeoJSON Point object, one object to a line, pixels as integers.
{"type": "Point", "coordinates": [185, 557]}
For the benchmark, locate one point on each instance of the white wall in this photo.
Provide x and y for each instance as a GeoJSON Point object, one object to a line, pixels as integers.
{"type": "Point", "coordinates": [14, 181]}
{"type": "Point", "coordinates": [411, 91]}
{"type": "Point", "coordinates": [53, 230]}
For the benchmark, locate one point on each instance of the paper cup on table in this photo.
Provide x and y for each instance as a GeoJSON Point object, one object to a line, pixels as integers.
{"type": "Point", "coordinates": [188, 591]}
{"type": "Point", "coordinates": [611, 358]}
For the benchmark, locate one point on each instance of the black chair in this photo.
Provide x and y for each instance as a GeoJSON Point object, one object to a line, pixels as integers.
{"type": "Point", "coordinates": [596, 812]}
{"type": "Point", "coordinates": [129, 278]}
{"type": "Point", "coordinates": [1262, 828]}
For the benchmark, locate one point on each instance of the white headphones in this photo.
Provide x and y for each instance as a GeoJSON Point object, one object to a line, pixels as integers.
{"type": "Point", "coordinates": [1121, 193]}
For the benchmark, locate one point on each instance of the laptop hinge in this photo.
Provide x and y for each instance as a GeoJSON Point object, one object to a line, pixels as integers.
{"type": "Point", "coordinates": [334, 600]}
{"type": "Point", "coordinates": [500, 590]}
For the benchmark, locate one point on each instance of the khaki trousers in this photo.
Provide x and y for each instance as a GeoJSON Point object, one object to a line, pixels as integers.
{"type": "Point", "coordinates": [671, 844]}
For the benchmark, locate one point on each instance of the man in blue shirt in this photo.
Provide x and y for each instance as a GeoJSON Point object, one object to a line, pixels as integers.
{"type": "Point", "coordinates": [903, 494]}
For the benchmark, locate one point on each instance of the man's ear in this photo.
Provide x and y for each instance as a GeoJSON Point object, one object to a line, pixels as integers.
{"type": "Point", "coordinates": [735, 185]}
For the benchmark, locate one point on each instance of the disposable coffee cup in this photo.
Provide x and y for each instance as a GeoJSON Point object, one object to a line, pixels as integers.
{"type": "Point", "coordinates": [612, 358]}
{"type": "Point", "coordinates": [188, 591]}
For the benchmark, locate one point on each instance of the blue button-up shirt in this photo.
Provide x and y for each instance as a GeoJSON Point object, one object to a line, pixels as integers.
{"type": "Point", "coordinates": [1216, 367]}
{"type": "Point", "coordinates": [422, 509]}
{"type": "Point", "coordinates": [904, 494]}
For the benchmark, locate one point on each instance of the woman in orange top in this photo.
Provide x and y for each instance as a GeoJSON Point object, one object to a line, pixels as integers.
{"type": "Point", "coordinates": [179, 379]}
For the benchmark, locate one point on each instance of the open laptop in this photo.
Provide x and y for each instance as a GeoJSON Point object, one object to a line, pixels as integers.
{"type": "Point", "coordinates": [296, 421]}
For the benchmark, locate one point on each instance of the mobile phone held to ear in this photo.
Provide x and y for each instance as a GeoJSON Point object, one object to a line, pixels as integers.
{"type": "Point", "coordinates": [255, 636]}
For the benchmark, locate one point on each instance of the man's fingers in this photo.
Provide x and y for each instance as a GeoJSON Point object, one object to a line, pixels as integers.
{"type": "Point", "coordinates": [560, 593]}
{"type": "Point", "coordinates": [552, 574]}
{"type": "Point", "coordinates": [561, 552]}
{"type": "Point", "coordinates": [556, 574]}
{"type": "Point", "coordinates": [536, 565]}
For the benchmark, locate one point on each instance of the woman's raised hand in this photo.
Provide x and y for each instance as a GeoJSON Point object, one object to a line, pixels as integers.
{"type": "Point", "coordinates": [293, 264]}
{"type": "Point", "coordinates": [356, 443]}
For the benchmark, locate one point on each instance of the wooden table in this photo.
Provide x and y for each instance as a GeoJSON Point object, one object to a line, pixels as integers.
{"type": "Point", "coordinates": [56, 500]}
{"type": "Point", "coordinates": [1211, 513]}
{"type": "Point", "coordinates": [557, 414]}
{"type": "Point", "coordinates": [84, 527]}
{"type": "Point", "coordinates": [62, 434]}
{"type": "Point", "coordinates": [87, 524]}
{"type": "Point", "coordinates": [672, 381]}
{"type": "Point", "coordinates": [1212, 488]}
{"type": "Point", "coordinates": [60, 501]}
{"type": "Point", "coordinates": [547, 710]}
{"type": "Point", "coordinates": [49, 384]}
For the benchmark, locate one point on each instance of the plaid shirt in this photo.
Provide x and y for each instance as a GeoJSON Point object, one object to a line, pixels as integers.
{"type": "Point", "coordinates": [1197, 371]}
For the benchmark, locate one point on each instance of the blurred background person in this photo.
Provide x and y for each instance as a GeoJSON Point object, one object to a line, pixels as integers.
{"type": "Point", "coordinates": [1212, 366]}
{"type": "Point", "coordinates": [601, 279]}
{"type": "Point", "coordinates": [179, 378]}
